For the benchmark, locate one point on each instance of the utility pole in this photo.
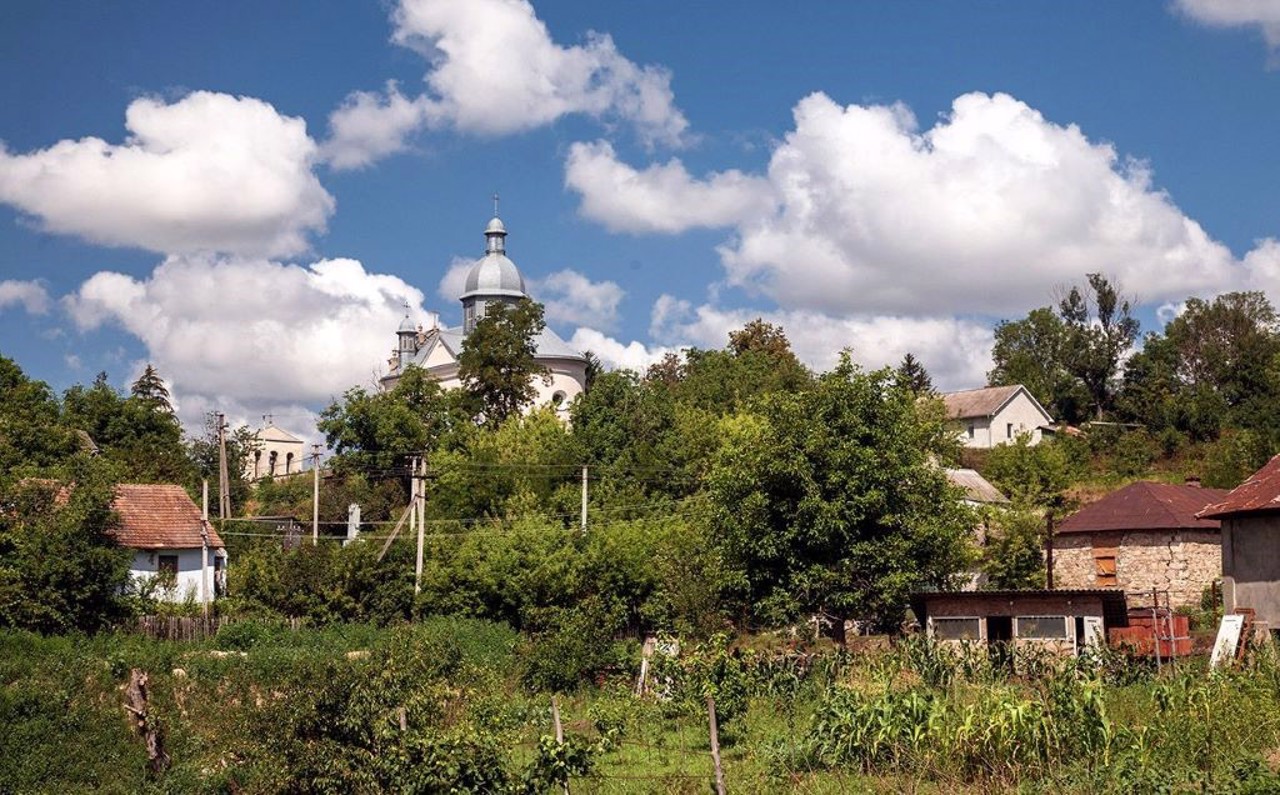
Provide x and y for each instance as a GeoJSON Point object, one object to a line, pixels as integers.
{"type": "Point", "coordinates": [419, 509]}
{"type": "Point", "coordinates": [204, 546]}
{"type": "Point", "coordinates": [224, 481]}
{"type": "Point", "coordinates": [584, 498]}
{"type": "Point", "coordinates": [315, 494]}
{"type": "Point", "coordinates": [1048, 550]}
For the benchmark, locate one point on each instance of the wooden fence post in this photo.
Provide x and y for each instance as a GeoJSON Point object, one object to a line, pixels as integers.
{"type": "Point", "coordinates": [555, 720]}
{"type": "Point", "coordinates": [715, 745]}
{"type": "Point", "coordinates": [135, 694]}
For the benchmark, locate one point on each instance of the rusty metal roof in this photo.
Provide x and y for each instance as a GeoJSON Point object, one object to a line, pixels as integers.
{"type": "Point", "coordinates": [1146, 506]}
{"type": "Point", "coordinates": [1114, 601]}
{"type": "Point", "coordinates": [159, 516]}
{"type": "Point", "coordinates": [1260, 493]}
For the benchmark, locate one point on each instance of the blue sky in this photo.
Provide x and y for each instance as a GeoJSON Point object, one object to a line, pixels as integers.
{"type": "Point", "coordinates": [238, 193]}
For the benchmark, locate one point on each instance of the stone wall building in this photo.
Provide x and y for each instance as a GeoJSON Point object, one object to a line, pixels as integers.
{"type": "Point", "coordinates": [1142, 537]}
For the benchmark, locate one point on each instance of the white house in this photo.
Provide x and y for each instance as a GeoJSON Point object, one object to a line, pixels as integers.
{"type": "Point", "coordinates": [170, 540]}
{"type": "Point", "coordinates": [995, 415]}
{"type": "Point", "coordinates": [278, 453]}
{"type": "Point", "coordinates": [493, 279]}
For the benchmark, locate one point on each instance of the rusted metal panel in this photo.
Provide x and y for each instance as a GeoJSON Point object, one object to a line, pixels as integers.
{"type": "Point", "coordinates": [1146, 506]}
{"type": "Point", "coordinates": [1260, 493]}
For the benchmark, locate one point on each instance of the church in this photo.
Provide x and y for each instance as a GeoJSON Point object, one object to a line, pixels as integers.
{"type": "Point", "coordinates": [493, 279]}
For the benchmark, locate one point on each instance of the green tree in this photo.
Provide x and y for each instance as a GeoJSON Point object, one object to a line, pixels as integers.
{"type": "Point", "coordinates": [829, 501]}
{"type": "Point", "coordinates": [1213, 367]}
{"type": "Point", "coordinates": [1031, 352]}
{"type": "Point", "coordinates": [497, 365]}
{"type": "Point", "coordinates": [1100, 327]}
{"type": "Point", "coordinates": [203, 452]}
{"type": "Point", "coordinates": [913, 377]}
{"type": "Point", "coordinates": [137, 432]}
{"type": "Point", "coordinates": [1031, 475]}
{"type": "Point", "coordinates": [150, 388]}
{"type": "Point", "coordinates": [60, 568]}
{"type": "Point", "coordinates": [381, 430]}
{"type": "Point", "coordinates": [33, 438]}
{"type": "Point", "coordinates": [1013, 556]}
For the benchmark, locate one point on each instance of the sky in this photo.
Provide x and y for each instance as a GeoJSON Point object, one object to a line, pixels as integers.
{"type": "Point", "coordinates": [246, 194]}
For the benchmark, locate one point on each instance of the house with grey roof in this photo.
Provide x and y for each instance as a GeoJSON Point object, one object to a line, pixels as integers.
{"type": "Point", "coordinates": [995, 415]}
{"type": "Point", "coordinates": [493, 279]}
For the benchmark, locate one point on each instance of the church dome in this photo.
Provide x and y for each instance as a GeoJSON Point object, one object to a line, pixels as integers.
{"type": "Point", "coordinates": [494, 274]}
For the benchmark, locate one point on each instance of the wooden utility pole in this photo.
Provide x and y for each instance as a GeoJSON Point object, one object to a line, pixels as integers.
{"type": "Point", "coordinates": [224, 481]}
{"type": "Point", "coordinates": [419, 510]}
{"type": "Point", "coordinates": [555, 722]}
{"type": "Point", "coordinates": [204, 546]}
{"type": "Point", "coordinates": [1048, 550]}
{"type": "Point", "coordinates": [584, 498]}
{"type": "Point", "coordinates": [315, 494]}
{"type": "Point", "coordinates": [715, 745]}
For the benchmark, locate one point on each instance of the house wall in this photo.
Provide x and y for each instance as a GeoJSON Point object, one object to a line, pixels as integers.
{"type": "Point", "coordinates": [567, 378]}
{"type": "Point", "coordinates": [988, 432]}
{"type": "Point", "coordinates": [146, 563]}
{"type": "Point", "coordinates": [1022, 413]}
{"type": "Point", "coordinates": [1251, 566]}
{"type": "Point", "coordinates": [1182, 562]}
{"type": "Point", "coordinates": [981, 437]}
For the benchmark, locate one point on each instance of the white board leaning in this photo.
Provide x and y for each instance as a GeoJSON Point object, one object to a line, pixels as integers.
{"type": "Point", "coordinates": [1224, 648]}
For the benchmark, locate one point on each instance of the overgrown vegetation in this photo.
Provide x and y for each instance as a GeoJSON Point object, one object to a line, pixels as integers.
{"type": "Point", "coordinates": [447, 705]}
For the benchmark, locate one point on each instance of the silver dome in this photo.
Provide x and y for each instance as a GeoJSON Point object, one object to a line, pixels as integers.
{"type": "Point", "coordinates": [494, 274]}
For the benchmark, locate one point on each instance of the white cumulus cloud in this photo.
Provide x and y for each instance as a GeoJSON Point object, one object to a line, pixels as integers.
{"type": "Point", "coordinates": [209, 172]}
{"type": "Point", "coordinates": [570, 297]}
{"type": "Point", "coordinates": [30, 295]}
{"type": "Point", "coordinates": [616, 355]}
{"type": "Point", "coordinates": [369, 126]}
{"type": "Point", "coordinates": [663, 197]}
{"type": "Point", "coordinates": [982, 213]}
{"type": "Point", "coordinates": [956, 352]}
{"type": "Point", "coordinates": [254, 333]}
{"type": "Point", "coordinates": [495, 70]}
{"type": "Point", "coordinates": [1262, 14]}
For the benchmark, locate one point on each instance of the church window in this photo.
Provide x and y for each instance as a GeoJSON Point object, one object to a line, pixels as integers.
{"type": "Point", "coordinates": [558, 398]}
{"type": "Point", "coordinates": [288, 463]}
{"type": "Point", "coordinates": [271, 466]}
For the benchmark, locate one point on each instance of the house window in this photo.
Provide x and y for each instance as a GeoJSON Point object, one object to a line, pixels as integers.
{"type": "Point", "coordinates": [167, 565]}
{"type": "Point", "coordinates": [956, 628]}
{"type": "Point", "coordinates": [1104, 567]}
{"type": "Point", "coordinates": [971, 430]}
{"type": "Point", "coordinates": [1041, 627]}
{"type": "Point", "coordinates": [1008, 430]}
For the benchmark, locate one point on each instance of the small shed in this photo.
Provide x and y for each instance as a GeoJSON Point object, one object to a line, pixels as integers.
{"type": "Point", "coordinates": [170, 540]}
{"type": "Point", "coordinates": [1143, 537]}
{"type": "Point", "coordinates": [1250, 517]}
{"type": "Point", "coordinates": [1062, 620]}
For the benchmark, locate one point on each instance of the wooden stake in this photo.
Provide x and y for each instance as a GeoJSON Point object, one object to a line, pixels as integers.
{"type": "Point", "coordinates": [135, 694]}
{"type": "Point", "coordinates": [555, 721]}
{"type": "Point", "coordinates": [715, 745]}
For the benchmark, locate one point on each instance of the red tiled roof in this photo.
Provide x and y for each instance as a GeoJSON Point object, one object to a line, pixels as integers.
{"type": "Point", "coordinates": [1146, 506]}
{"type": "Point", "coordinates": [157, 516]}
{"type": "Point", "coordinates": [1261, 492]}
